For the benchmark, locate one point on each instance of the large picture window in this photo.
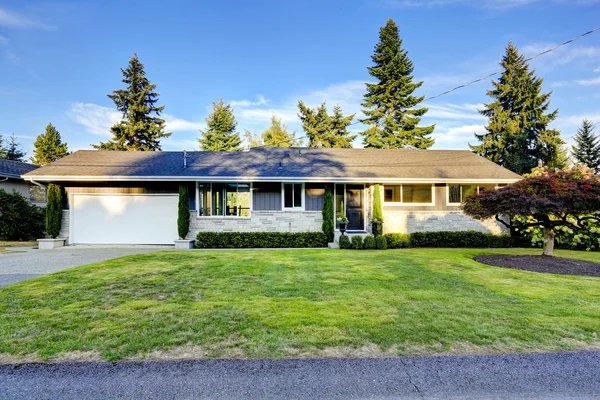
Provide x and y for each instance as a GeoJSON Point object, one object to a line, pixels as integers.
{"type": "Point", "coordinates": [224, 199]}
{"type": "Point", "coordinates": [457, 193]}
{"type": "Point", "coordinates": [293, 195]}
{"type": "Point", "coordinates": [420, 194]}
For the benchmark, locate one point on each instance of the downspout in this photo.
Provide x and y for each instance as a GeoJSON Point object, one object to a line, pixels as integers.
{"type": "Point", "coordinates": [5, 179]}
{"type": "Point", "coordinates": [38, 184]}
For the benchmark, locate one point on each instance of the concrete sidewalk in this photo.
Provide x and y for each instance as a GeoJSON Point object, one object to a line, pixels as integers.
{"type": "Point", "coordinates": [533, 376]}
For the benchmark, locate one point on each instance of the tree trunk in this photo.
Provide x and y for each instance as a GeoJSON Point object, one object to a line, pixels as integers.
{"type": "Point", "coordinates": [548, 241]}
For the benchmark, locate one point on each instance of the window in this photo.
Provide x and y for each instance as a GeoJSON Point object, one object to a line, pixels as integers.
{"type": "Point", "coordinates": [408, 194]}
{"type": "Point", "coordinates": [37, 194]}
{"type": "Point", "coordinates": [292, 195]}
{"type": "Point", "coordinates": [224, 199]}
{"type": "Point", "coordinates": [458, 193]}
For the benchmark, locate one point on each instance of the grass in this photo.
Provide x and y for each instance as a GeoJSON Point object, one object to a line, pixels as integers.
{"type": "Point", "coordinates": [296, 304]}
{"type": "Point", "coordinates": [5, 244]}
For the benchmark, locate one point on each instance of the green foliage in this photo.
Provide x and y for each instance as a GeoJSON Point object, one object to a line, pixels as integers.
{"type": "Point", "coordinates": [328, 217]}
{"type": "Point", "coordinates": [369, 243]}
{"type": "Point", "coordinates": [13, 150]}
{"type": "Point", "coordinates": [390, 106]}
{"type": "Point", "coordinates": [139, 130]}
{"type": "Point", "coordinates": [342, 217]}
{"type": "Point", "coordinates": [277, 135]}
{"type": "Point", "coordinates": [357, 242]}
{"type": "Point", "coordinates": [518, 133]}
{"type": "Point", "coordinates": [381, 242]}
{"type": "Point", "coordinates": [237, 240]}
{"type": "Point", "coordinates": [460, 239]}
{"type": "Point", "coordinates": [377, 208]}
{"type": "Point", "coordinates": [220, 134]}
{"type": "Point", "coordinates": [397, 240]}
{"type": "Point", "coordinates": [2, 148]}
{"type": "Point", "coordinates": [53, 211]}
{"type": "Point", "coordinates": [324, 130]}
{"type": "Point", "coordinates": [586, 150]}
{"type": "Point", "coordinates": [19, 219]}
{"type": "Point", "coordinates": [344, 242]}
{"type": "Point", "coordinates": [48, 147]}
{"type": "Point", "coordinates": [183, 215]}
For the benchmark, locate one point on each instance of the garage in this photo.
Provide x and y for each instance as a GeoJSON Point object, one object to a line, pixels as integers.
{"type": "Point", "coordinates": [123, 218]}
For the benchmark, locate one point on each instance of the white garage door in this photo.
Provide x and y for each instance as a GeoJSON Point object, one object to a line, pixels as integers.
{"type": "Point", "coordinates": [123, 219]}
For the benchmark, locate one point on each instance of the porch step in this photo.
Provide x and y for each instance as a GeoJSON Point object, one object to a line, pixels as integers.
{"type": "Point", "coordinates": [337, 234]}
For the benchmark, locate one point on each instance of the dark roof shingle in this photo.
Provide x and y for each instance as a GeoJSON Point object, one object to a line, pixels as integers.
{"type": "Point", "coordinates": [14, 169]}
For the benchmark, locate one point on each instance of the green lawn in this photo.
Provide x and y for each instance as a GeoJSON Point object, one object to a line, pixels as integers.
{"type": "Point", "coordinates": [297, 303]}
{"type": "Point", "coordinates": [4, 244]}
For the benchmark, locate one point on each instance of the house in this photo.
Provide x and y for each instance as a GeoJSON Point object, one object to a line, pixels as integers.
{"type": "Point", "coordinates": [131, 197]}
{"type": "Point", "coordinates": [10, 180]}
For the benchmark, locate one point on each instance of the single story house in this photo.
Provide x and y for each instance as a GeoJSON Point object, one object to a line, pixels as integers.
{"type": "Point", "coordinates": [113, 197]}
{"type": "Point", "coordinates": [10, 180]}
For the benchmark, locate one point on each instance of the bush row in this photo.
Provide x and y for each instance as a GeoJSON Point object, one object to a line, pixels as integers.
{"type": "Point", "coordinates": [429, 239]}
{"type": "Point", "coordinates": [245, 240]}
{"type": "Point", "coordinates": [19, 220]}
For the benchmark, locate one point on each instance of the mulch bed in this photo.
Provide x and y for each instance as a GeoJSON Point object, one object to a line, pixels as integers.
{"type": "Point", "coordinates": [552, 265]}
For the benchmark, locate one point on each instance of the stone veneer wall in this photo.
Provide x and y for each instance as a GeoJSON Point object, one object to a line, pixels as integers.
{"type": "Point", "coordinates": [64, 225]}
{"type": "Point", "coordinates": [260, 221]}
{"type": "Point", "coordinates": [421, 221]}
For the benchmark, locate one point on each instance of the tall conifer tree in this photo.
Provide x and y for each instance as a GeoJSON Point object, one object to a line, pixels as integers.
{"type": "Point", "coordinates": [14, 151]}
{"type": "Point", "coordinates": [141, 127]}
{"type": "Point", "coordinates": [220, 134]}
{"type": "Point", "coordinates": [518, 135]}
{"type": "Point", "coordinates": [277, 135]}
{"type": "Point", "coordinates": [48, 147]}
{"type": "Point", "coordinates": [390, 106]}
{"type": "Point", "coordinates": [586, 150]}
{"type": "Point", "coordinates": [2, 148]}
{"type": "Point", "coordinates": [324, 130]}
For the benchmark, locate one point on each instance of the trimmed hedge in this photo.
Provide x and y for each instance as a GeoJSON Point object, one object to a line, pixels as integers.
{"type": "Point", "coordinates": [19, 220]}
{"type": "Point", "coordinates": [345, 242]}
{"type": "Point", "coordinates": [369, 242]}
{"type": "Point", "coordinates": [357, 242]}
{"type": "Point", "coordinates": [247, 240]}
{"type": "Point", "coordinates": [462, 239]}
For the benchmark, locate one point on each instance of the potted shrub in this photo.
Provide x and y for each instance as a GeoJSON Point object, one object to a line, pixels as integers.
{"type": "Point", "coordinates": [183, 220]}
{"type": "Point", "coordinates": [377, 221]}
{"type": "Point", "coordinates": [342, 219]}
{"type": "Point", "coordinates": [53, 219]}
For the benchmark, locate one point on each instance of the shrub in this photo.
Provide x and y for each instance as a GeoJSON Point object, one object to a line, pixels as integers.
{"type": "Point", "coordinates": [459, 239]}
{"type": "Point", "coordinates": [397, 240]}
{"type": "Point", "coordinates": [381, 242]}
{"type": "Point", "coordinates": [357, 242]}
{"type": "Point", "coordinates": [19, 219]}
{"type": "Point", "coordinates": [377, 209]}
{"type": "Point", "coordinates": [328, 217]}
{"type": "Point", "coordinates": [183, 214]}
{"type": "Point", "coordinates": [53, 211]}
{"type": "Point", "coordinates": [207, 240]}
{"type": "Point", "coordinates": [344, 242]}
{"type": "Point", "coordinates": [369, 242]}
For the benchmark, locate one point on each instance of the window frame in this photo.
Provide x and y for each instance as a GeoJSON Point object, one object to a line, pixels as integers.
{"type": "Point", "coordinates": [401, 203]}
{"type": "Point", "coordinates": [223, 193]}
{"type": "Point", "coordinates": [36, 201]}
{"type": "Point", "coordinates": [448, 203]}
{"type": "Point", "coordinates": [302, 197]}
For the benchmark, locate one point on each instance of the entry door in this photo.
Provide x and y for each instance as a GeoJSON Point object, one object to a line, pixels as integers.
{"type": "Point", "coordinates": [354, 207]}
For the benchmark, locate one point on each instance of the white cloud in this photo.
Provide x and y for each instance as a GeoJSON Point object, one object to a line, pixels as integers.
{"type": "Point", "coordinates": [589, 82]}
{"type": "Point", "coordinates": [10, 19]}
{"type": "Point", "coordinates": [456, 137]}
{"type": "Point", "coordinates": [561, 56]}
{"type": "Point", "coordinates": [175, 124]}
{"type": "Point", "coordinates": [261, 101]}
{"type": "Point", "coordinates": [449, 111]}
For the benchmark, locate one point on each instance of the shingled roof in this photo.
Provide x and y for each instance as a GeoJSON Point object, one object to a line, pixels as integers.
{"type": "Point", "coordinates": [14, 169]}
{"type": "Point", "coordinates": [270, 163]}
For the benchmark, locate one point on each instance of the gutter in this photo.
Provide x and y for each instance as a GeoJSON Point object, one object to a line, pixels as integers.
{"type": "Point", "coordinates": [36, 183]}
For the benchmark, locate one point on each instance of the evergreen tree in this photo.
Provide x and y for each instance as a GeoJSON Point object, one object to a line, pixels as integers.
{"type": "Point", "coordinates": [253, 139]}
{"type": "Point", "coordinates": [2, 148]}
{"type": "Point", "coordinates": [517, 131]}
{"type": "Point", "coordinates": [391, 108]}
{"type": "Point", "coordinates": [220, 134]}
{"type": "Point", "coordinates": [324, 130]}
{"type": "Point", "coordinates": [48, 147]}
{"type": "Point", "coordinates": [14, 151]}
{"type": "Point", "coordinates": [140, 129]}
{"type": "Point", "coordinates": [586, 150]}
{"type": "Point", "coordinates": [277, 135]}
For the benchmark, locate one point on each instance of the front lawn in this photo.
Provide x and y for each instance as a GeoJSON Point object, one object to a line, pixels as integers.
{"type": "Point", "coordinates": [5, 244]}
{"type": "Point", "coordinates": [297, 303]}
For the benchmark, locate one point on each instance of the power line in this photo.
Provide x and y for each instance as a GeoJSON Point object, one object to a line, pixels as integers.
{"type": "Point", "coordinates": [528, 59]}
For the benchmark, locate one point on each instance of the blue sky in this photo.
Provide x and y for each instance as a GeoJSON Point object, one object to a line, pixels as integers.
{"type": "Point", "coordinates": [60, 59]}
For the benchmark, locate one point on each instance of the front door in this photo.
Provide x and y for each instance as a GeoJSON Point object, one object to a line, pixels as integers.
{"type": "Point", "coordinates": [354, 207]}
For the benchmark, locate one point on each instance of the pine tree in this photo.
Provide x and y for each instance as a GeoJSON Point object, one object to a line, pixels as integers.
{"type": "Point", "coordinates": [277, 135]}
{"type": "Point", "coordinates": [517, 131]}
{"type": "Point", "coordinates": [220, 134]}
{"type": "Point", "coordinates": [48, 147]}
{"type": "Point", "coordinates": [390, 104]}
{"type": "Point", "coordinates": [14, 151]}
{"type": "Point", "coordinates": [2, 148]}
{"type": "Point", "coordinates": [324, 130]}
{"type": "Point", "coordinates": [586, 150]}
{"type": "Point", "coordinates": [139, 130]}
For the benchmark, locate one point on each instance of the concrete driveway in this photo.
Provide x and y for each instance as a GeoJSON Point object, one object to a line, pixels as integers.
{"type": "Point", "coordinates": [29, 263]}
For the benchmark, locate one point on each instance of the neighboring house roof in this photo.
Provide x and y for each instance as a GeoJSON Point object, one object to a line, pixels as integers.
{"type": "Point", "coordinates": [14, 169]}
{"type": "Point", "coordinates": [269, 163]}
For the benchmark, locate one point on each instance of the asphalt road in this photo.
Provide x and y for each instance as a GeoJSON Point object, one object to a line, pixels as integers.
{"type": "Point", "coordinates": [27, 264]}
{"type": "Point", "coordinates": [534, 376]}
